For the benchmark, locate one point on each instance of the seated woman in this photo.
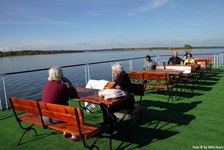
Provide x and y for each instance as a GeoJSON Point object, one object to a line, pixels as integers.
{"type": "Point", "coordinates": [189, 59]}
{"type": "Point", "coordinates": [122, 82]}
{"type": "Point", "coordinates": [56, 92]}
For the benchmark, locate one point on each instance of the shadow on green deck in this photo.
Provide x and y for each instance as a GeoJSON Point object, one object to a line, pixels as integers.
{"type": "Point", "coordinates": [159, 122]}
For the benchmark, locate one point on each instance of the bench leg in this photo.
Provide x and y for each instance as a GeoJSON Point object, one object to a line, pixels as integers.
{"type": "Point", "coordinates": [25, 130]}
{"type": "Point", "coordinates": [93, 145]}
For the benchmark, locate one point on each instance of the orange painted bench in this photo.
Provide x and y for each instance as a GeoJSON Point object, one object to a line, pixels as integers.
{"type": "Point", "coordinates": [71, 119]}
{"type": "Point", "coordinates": [209, 60]}
{"type": "Point", "coordinates": [205, 63]}
{"type": "Point", "coordinates": [163, 77]}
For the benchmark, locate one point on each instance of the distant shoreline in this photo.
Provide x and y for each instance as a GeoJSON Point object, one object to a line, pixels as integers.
{"type": "Point", "coordinates": [47, 52]}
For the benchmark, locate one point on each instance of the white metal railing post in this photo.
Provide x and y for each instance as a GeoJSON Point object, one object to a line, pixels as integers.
{"type": "Point", "coordinates": [112, 76]}
{"type": "Point", "coordinates": [217, 56]}
{"type": "Point", "coordinates": [157, 59]}
{"type": "Point", "coordinates": [216, 61]}
{"type": "Point", "coordinates": [86, 74]}
{"type": "Point", "coordinates": [5, 93]}
{"type": "Point", "coordinates": [222, 59]}
{"type": "Point", "coordinates": [130, 65]}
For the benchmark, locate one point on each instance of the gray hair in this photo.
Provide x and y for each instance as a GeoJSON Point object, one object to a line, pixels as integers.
{"type": "Point", "coordinates": [55, 74]}
{"type": "Point", "coordinates": [117, 67]}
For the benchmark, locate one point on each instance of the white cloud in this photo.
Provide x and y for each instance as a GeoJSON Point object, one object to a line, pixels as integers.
{"type": "Point", "coordinates": [153, 5]}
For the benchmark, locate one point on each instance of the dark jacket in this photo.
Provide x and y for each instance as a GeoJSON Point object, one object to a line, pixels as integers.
{"type": "Point", "coordinates": [174, 60]}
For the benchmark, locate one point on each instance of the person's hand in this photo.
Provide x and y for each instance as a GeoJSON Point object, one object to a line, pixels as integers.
{"type": "Point", "coordinates": [118, 87]}
{"type": "Point", "coordinates": [64, 79]}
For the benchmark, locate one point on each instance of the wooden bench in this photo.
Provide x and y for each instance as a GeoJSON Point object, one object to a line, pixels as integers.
{"type": "Point", "coordinates": [209, 60]}
{"type": "Point", "coordinates": [205, 63]}
{"type": "Point", "coordinates": [136, 77]}
{"type": "Point", "coordinates": [160, 77]}
{"type": "Point", "coordinates": [71, 119]}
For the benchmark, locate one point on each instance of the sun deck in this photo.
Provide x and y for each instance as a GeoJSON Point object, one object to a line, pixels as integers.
{"type": "Point", "coordinates": [193, 121]}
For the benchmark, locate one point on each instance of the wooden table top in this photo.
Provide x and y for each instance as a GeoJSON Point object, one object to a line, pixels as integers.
{"type": "Point", "coordinates": [167, 71]}
{"type": "Point", "coordinates": [91, 96]}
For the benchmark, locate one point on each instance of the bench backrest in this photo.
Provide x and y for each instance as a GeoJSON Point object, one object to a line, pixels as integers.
{"type": "Point", "coordinates": [61, 112]}
{"type": "Point", "coordinates": [203, 63]}
{"type": "Point", "coordinates": [156, 76]}
{"type": "Point", "coordinates": [54, 111]}
{"type": "Point", "coordinates": [135, 76]}
{"type": "Point", "coordinates": [23, 105]}
{"type": "Point", "coordinates": [207, 59]}
{"type": "Point", "coordinates": [139, 90]}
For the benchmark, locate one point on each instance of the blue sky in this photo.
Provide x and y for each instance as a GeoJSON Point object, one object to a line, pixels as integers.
{"type": "Point", "coordinates": [102, 24]}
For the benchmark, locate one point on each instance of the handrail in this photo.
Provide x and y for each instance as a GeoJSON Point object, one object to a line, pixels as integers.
{"type": "Point", "coordinates": [218, 60]}
{"type": "Point", "coordinates": [67, 66]}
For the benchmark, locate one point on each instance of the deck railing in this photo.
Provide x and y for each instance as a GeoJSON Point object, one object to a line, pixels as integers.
{"type": "Point", "coordinates": [29, 83]}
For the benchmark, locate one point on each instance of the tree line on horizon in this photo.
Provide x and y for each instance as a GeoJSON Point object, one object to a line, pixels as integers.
{"type": "Point", "coordinates": [36, 52]}
{"type": "Point", "coordinates": [42, 52]}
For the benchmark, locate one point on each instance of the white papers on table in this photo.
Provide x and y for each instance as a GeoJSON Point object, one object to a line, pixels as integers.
{"type": "Point", "coordinates": [96, 84]}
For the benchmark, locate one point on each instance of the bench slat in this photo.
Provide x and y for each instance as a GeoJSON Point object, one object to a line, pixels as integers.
{"type": "Point", "coordinates": [68, 115]}
{"type": "Point", "coordinates": [29, 106]}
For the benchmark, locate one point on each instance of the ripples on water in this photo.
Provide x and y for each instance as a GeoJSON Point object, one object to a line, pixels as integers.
{"type": "Point", "coordinates": [30, 85]}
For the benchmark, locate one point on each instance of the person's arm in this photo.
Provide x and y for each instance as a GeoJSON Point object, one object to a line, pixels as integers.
{"type": "Point", "coordinates": [64, 79]}
{"type": "Point", "coordinates": [144, 66]}
{"type": "Point", "coordinates": [169, 61]}
{"type": "Point", "coordinates": [72, 91]}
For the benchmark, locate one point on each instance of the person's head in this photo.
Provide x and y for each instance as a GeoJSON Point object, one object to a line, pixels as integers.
{"type": "Point", "coordinates": [148, 58]}
{"type": "Point", "coordinates": [175, 53]}
{"type": "Point", "coordinates": [55, 74]}
{"type": "Point", "coordinates": [189, 55]}
{"type": "Point", "coordinates": [117, 69]}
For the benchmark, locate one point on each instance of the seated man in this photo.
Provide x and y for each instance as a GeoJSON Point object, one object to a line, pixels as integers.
{"type": "Point", "coordinates": [149, 64]}
{"type": "Point", "coordinates": [189, 59]}
{"type": "Point", "coordinates": [175, 59]}
{"type": "Point", "coordinates": [123, 83]}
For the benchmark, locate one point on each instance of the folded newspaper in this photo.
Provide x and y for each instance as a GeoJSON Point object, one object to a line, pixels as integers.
{"type": "Point", "coordinates": [96, 84]}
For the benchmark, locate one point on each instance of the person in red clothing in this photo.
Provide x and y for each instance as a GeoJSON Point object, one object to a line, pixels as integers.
{"type": "Point", "coordinates": [57, 92]}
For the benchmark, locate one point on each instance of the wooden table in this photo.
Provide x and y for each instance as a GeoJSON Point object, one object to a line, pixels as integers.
{"type": "Point", "coordinates": [91, 96]}
{"type": "Point", "coordinates": [159, 71]}
{"type": "Point", "coordinates": [192, 67]}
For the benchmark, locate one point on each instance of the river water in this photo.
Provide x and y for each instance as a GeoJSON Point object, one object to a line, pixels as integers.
{"type": "Point", "coordinates": [19, 63]}
{"type": "Point", "coordinates": [29, 85]}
